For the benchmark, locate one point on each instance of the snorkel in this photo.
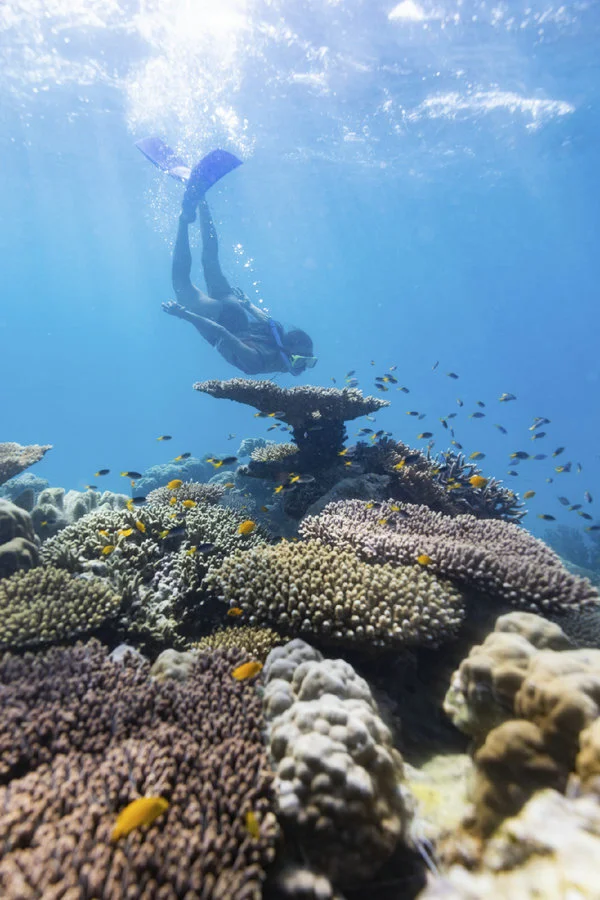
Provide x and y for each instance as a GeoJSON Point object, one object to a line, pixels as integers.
{"type": "Point", "coordinates": [293, 363]}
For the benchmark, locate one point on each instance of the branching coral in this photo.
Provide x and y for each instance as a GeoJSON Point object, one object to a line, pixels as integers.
{"type": "Point", "coordinates": [338, 776]}
{"type": "Point", "coordinates": [15, 458]}
{"type": "Point", "coordinates": [256, 641]}
{"type": "Point", "coordinates": [189, 490]}
{"type": "Point", "coordinates": [493, 556]}
{"type": "Point", "coordinates": [47, 605]}
{"type": "Point", "coordinates": [81, 737]}
{"type": "Point", "coordinates": [313, 590]}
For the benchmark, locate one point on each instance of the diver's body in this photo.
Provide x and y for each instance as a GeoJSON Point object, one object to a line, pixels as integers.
{"type": "Point", "coordinates": [242, 333]}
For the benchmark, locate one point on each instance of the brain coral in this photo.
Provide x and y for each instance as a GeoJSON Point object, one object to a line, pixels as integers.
{"type": "Point", "coordinates": [310, 589]}
{"type": "Point", "coordinates": [47, 605]}
{"type": "Point", "coordinates": [338, 776]}
{"type": "Point", "coordinates": [81, 737]}
{"type": "Point", "coordinates": [495, 557]}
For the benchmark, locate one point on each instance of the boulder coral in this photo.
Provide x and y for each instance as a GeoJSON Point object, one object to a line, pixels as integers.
{"type": "Point", "coordinates": [18, 547]}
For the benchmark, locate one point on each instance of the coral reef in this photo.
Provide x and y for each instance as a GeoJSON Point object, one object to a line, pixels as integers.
{"type": "Point", "coordinates": [192, 469]}
{"type": "Point", "coordinates": [54, 508]}
{"type": "Point", "coordinates": [82, 737]}
{"type": "Point", "coordinates": [189, 490]}
{"type": "Point", "coordinates": [338, 777]}
{"type": "Point", "coordinates": [15, 458]}
{"type": "Point", "coordinates": [526, 696]}
{"type": "Point", "coordinates": [24, 485]}
{"type": "Point", "coordinates": [316, 415]}
{"type": "Point", "coordinates": [255, 640]}
{"type": "Point", "coordinates": [18, 549]}
{"type": "Point", "coordinates": [328, 593]}
{"type": "Point", "coordinates": [47, 605]}
{"type": "Point", "coordinates": [550, 850]}
{"type": "Point", "coordinates": [581, 549]}
{"type": "Point", "coordinates": [493, 556]}
{"type": "Point", "coordinates": [158, 575]}
{"type": "Point", "coordinates": [440, 482]}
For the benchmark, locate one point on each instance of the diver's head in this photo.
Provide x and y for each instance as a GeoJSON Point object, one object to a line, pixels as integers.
{"type": "Point", "coordinates": [299, 347]}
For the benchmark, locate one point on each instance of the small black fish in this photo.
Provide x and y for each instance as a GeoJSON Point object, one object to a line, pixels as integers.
{"type": "Point", "coordinates": [229, 460]}
{"type": "Point", "coordinates": [444, 422]}
{"type": "Point", "coordinates": [138, 501]}
{"type": "Point", "coordinates": [205, 548]}
{"type": "Point", "coordinates": [164, 437]}
{"type": "Point", "coordinates": [564, 501]}
{"type": "Point", "coordinates": [457, 445]}
{"type": "Point", "coordinates": [588, 497]}
{"type": "Point", "coordinates": [177, 531]}
{"type": "Point", "coordinates": [574, 507]}
{"type": "Point", "coordinates": [593, 528]}
{"type": "Point", "coordinates": [538, 422]}
{"type": "Point", "coordinates": [505, 397]}
{"type": "Point", "coordinates": [480, 403]}
{"type": "Point", "coordinates": [459, 401]}
{"type": "Point", "coordinates": [477, 415]}
{"type": "Point", "coordinates": [412, 457]}
{"type": "Point", "coordinates": [540, 456]}
{"type": "Point", "coordinates": [350, 373]}
{"type": "Point", "coordinates": [413, 413]}
{"type": "Point", "coordinates": [422, 416]}
{"type": "Point", "coordinates": [452, 375]}
{"type": "Point", "coordinates": [451, 415]}
{"type": "Point", "coordinates": [101, 472]}
{"type": "Point", "coordinates": [512, 472]}
{"type": "Point", "coordinates": [352, 382]}
{"type": "Point", "coordinates": [501, 429]}
{"type": "Point", "coordinates": [182, 456]}
{"type": "Point", "coordinates": [585, 515]}
{"type": "Point", "coordinates": [91, 487]}
{"type": "Point", "coordinates": [404, 390]}
{"type": "Point", "coordinates": [382, 387]}
{"type": "Point", "coordinates": [424, 435]}
{"type": "Point", "coordinates": [519, 454]}
{"type": "Point", "coordinates": [133, 475]}
{"type": "Point", "coordinates": [435, 365]}
{"type": "Point", "coordinates": [538, 435]}
{"type": "Point", "coordinates": [558, 451]}
{"type": "Point", "coordinates": [546, 517]}
{"type": "Point", "coordinates": [579, 468]}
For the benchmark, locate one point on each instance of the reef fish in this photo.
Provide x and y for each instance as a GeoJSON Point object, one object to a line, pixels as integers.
{"type": "Point", "coordinates": [164, 437]}
{"type": "Point", "coordinates": [234, 611]}
{"type": "Point", "coordinates": [137, 813]}
{"type": "Point", "coordinates": [546, 517]}
{"type": "Point", "coordinates": [478, 481]}
{"type": "Point", "coordinates": [477, 455]}
{"type": "Point", "coordinates": [247, 670]}
{"type": "Point", "coordinates": [504, 398]}
{"type": "Point", "coordinates": [252, 826]}
{"type": "Point", "coordinates": [528, 495]}
{"type": "Point", "coordinates": [246, 527]}
{"type": "Point", "coordinates": [501, 428]}
{"type": "Point", "coordinates": [182, 456]}
{"type": "Point", "coordinates": [101, 472]}
{"type": "Point", "coordinates": [424, 560]}
{"type": "Point", "coordinates": [174, 484]}
{"type": "Point", "coordinates": [133, 475]}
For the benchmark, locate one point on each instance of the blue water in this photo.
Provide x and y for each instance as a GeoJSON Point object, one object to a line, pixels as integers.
{"type": "Point", "coordinates": [420, 183]}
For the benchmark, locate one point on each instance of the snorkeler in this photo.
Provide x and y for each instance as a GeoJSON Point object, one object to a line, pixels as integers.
{"type": "Point", "coordinates": [242, 333]}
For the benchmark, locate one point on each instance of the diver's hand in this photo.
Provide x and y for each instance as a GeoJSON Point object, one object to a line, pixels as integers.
{"type": "Point", "coordinates": [173, 308]}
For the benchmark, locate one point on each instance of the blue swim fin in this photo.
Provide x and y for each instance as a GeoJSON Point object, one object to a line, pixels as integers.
{"type": "Point", "coordinates": [207, 172]}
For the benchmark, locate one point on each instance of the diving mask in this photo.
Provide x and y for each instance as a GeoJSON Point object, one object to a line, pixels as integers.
{"type": "Point", "coordinates": [302, 362]}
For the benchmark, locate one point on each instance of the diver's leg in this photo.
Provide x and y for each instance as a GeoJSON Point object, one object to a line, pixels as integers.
{"type": "Point", "coordinates": [187, 293]}
{"type": "Point", "coordinates": [216, 283]}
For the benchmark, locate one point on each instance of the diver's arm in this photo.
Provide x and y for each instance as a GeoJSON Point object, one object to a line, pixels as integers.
{"type": "Point", "coordinates": [229, 346]}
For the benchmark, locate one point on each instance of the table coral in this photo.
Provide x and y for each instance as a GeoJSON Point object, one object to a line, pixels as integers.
{"type": "Point", "coordinates": [81, 737]}
{"type": "Point", "coordinates": [312, 590]}
{"type": "Point", "coordinates": [498, 558]}
{"type": "Point", "coordinates": [338, 777]}
{"type": "Point", "coordinates": [15, 458]}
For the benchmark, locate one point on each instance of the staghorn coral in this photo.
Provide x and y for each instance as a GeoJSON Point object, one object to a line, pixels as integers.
{"type": "Point", "coordinates": [255, 640]}
{"type": "Point", "coordinates": [47, 605]}
{"type": "Point", "coordinates": [315, 414]}
{"type": "Point", "coordinates": [338, 776]}
{"type": "Point", "coordinates": [495, 557]}
{"type": "Point", "coordinates": [18, 549]}
{"type": "Point", "coordinates": [549, 850]}
{"type": "Point", "coordinates": [81, 737]}
{"type": "Point", "coordinates": [189, 490]}
{"type": "Point", "coordinates": [313, 590]}
{"type": "Point", "coordinates": [15, 458]}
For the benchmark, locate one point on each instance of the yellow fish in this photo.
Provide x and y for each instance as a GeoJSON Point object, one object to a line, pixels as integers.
{"type": "Point", "coordinates": [163, 534]}
{"type": "Point", "coordinates": [235, 611]}
{"type": "Point", "coordinates": [45, 522]}
{"type": "Point", "coordinates": [252, 826]}
{"type": "Point", "coordinates": [382, 522]}
{"type": "Point", "coordinates": [191, 551]}
{"type": "Point", "coordinates": [103, 532]}
{"type": "Point", "coordinates": [369, 505]}
{"type": "Point", "coordinates": [246, 527]}
{"type": "Point", "coordinates": [348, 463]}
{"type": "Point", "coordinates": [125, 532]}
{"type": "Point", "coordinates": [343, 452]}
{"type": "Point", "coordinates": [130, 505]}
{"type": "Point", "coordinates": [399, 465]}
{"type": "Point", "coordinates": [528, 495]}
{"type": "Point", "coordinates": [140, 526]}
{"type": "Point", "coordinates": [230, 484]}
{"type": "Point", "coordinates": [140, 812]}
{"type": "Point", "coordinates": [247, 670]}
{"type": "Point", "coordinates": [478, 481]}
{"type": "Point", "coordinates": [477, 455]}
{"type": "Point", "coordinates": [424, 560]}
{"type": "Point", "coordinates": [395, 508]}
{"type": "Point", "coordinates": [279, 488]}
{"type": "Point", "coordinates": [174, 484]}
{"type": "Point", "coordinates": [189, 504]}
{"type": "Point", "coordinates": [172, 501]}
{"type": "Point", "coordinates": [108, 549]}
